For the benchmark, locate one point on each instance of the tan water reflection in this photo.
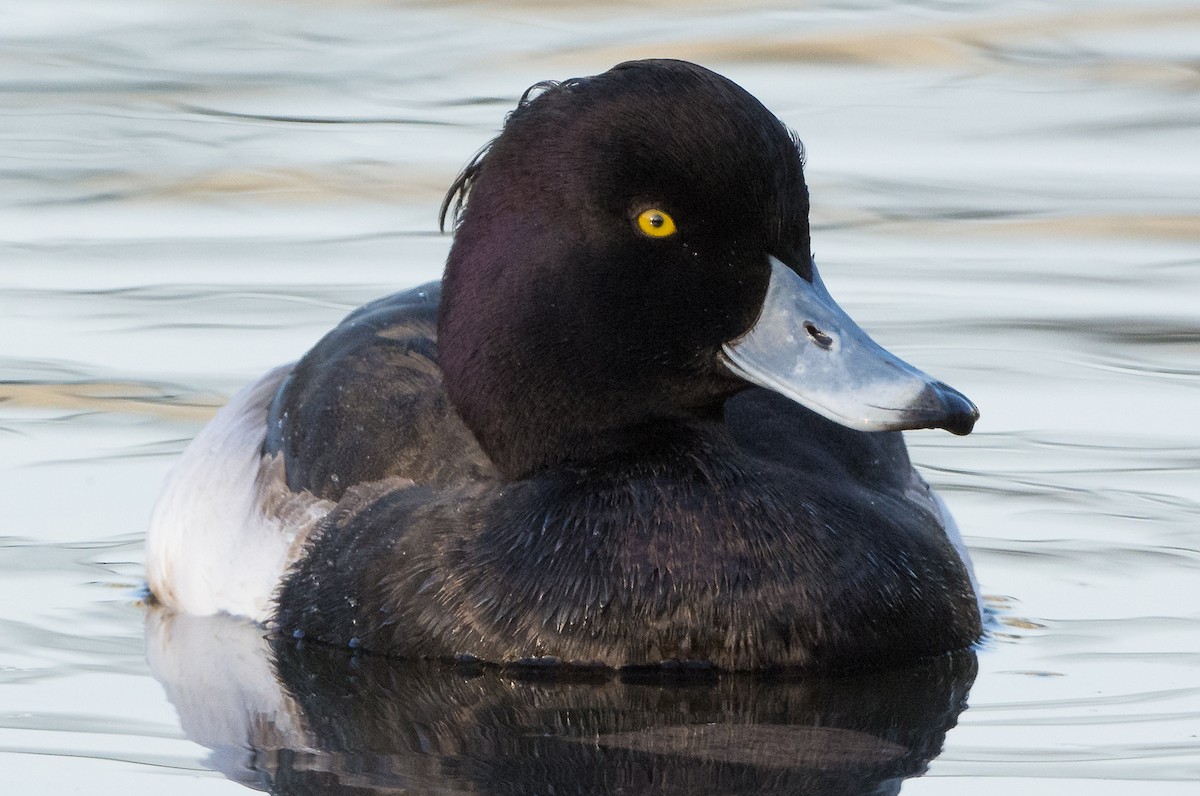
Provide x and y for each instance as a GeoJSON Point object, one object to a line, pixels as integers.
{"type": "Point", "coordinates": [129, 399]}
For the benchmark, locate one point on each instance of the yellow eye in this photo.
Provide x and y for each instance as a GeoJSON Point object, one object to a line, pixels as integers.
{"type": "Point", "coordinates": [655, 223]}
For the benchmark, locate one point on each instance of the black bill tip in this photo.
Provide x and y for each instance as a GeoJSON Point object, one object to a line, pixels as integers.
{"type": "Point", "coordinates": [958, 414]}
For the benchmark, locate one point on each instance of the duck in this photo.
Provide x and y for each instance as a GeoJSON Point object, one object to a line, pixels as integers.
{"type": "Point", "coordinates": [630, 427]}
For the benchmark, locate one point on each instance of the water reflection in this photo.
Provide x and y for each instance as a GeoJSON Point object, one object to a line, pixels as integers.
{"type": "Point", "coordinates": [305, 719]}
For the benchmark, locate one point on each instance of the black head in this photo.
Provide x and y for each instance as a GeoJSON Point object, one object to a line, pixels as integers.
{"type": "Point", "coordinates": [570, 321]}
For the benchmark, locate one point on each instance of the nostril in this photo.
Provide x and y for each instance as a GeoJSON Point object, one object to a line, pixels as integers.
{"type": "Point", "coordinates": [819, 337]}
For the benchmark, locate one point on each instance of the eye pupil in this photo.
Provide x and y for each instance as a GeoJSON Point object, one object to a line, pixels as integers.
{"type": "Point", "coordinates": [656, 220]}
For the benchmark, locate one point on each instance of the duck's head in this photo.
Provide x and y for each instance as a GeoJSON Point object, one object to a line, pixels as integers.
{"type": "Point", "coordinates": [635, 249]}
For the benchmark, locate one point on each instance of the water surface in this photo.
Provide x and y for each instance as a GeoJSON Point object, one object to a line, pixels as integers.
{"type": "Point", "coordinates": [193, 193]}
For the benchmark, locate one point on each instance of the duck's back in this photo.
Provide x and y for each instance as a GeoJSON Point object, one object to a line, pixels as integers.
{"type": "Point", "coordinates": [368, 403]}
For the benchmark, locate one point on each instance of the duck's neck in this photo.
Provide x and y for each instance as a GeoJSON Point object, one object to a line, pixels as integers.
{"type": "Point", "coordinates": [541, 386]}
{"type": "Point", "coordinates": [528, 422]}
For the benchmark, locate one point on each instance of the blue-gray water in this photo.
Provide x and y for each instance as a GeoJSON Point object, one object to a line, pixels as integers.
{"type": "Point", "coordinates": [1006, 195]}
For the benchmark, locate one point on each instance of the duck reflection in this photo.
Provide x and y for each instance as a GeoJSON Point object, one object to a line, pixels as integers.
{"type": "Point", "coordinates": [300, 719]}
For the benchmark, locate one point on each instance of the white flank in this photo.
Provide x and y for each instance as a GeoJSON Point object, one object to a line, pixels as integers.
{"type": "Point", "coordinates": [226, 527]}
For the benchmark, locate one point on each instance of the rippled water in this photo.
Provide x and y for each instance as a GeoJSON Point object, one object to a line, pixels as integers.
{"type": "Point", "coordinates": [191, 193]}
